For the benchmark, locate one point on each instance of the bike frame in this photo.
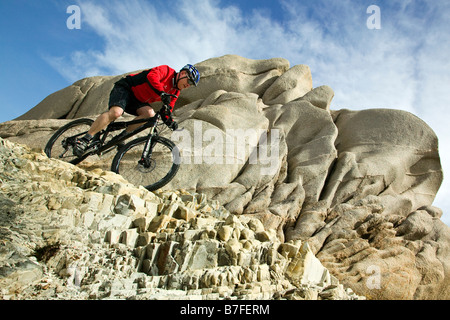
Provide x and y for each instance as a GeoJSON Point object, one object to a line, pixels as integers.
{"type": "Point", "coordinates": [115, 126]}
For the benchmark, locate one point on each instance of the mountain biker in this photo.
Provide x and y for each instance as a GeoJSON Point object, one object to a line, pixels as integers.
{"type": "Point", "coordinates": [134, 93]}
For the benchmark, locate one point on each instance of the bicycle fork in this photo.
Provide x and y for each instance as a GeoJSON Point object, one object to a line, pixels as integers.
{"type": "Point", "coordinates": [148, 148]}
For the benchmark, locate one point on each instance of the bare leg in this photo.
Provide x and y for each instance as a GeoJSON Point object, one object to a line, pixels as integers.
{"type": "Point", "coordinates": [143, 113]}
{"type": "Point", "coordinates": [104, 119]}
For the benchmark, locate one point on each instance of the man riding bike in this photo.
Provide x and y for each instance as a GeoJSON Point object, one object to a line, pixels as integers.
{"type": "Point", "coordinates": [134, 93]}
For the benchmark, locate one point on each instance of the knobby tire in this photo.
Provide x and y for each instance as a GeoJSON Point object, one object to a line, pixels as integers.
{"type": "Point", "coordinates": [54, 147]}
{"type": "Point", "coordinates": [164, 160]}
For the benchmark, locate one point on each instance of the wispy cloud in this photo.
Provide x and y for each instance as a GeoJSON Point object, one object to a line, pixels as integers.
{"type": "Point", "coordinates": [137, 34]}
{"type": "Point", "coordinates": [404, 65]}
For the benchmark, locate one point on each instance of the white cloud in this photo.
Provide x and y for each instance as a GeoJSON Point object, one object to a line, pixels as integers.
{"type": "Point", "coordinates": [404, 65]}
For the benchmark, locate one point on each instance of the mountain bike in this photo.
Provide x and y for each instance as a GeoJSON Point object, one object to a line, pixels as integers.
{"type": "Point", "coordinates": [151, 160]}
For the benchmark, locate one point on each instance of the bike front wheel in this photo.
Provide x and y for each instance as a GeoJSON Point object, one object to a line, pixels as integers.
{"type": "Point", "coordinates": [154, 173]}
{"type": "Point", "coordinates": [60, 146]}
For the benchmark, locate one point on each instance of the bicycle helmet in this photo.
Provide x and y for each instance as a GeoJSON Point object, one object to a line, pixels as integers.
{"type": "Point", "coordinates": [192, 72]}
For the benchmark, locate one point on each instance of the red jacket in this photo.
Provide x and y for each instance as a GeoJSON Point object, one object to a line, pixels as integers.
{"type": "Point", "coordinates": [162, 79]}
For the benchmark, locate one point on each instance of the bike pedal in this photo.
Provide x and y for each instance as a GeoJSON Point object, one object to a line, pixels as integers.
{"type": "Point", "coordinates": [94, 146]}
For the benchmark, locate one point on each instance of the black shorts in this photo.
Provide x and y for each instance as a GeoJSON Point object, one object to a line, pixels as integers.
{"type": "Point", "coordinates": [122, 96]}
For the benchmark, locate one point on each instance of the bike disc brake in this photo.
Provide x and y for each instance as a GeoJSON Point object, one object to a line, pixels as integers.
{"type": "Point", "coordinates": [146, 166]}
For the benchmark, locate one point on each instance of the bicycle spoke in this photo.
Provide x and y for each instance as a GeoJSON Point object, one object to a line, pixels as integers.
{"type": "Point", "coordinates": [160, 168]}
{"type": "Point", "coordinates": [60, 145]}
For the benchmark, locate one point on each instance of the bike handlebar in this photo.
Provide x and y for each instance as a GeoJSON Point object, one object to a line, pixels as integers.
{"type": "Point", "coordinates": [165, 106]}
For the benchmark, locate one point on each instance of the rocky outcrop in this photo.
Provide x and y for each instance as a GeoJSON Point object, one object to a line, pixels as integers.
{"type": "Point", "coordinates": [74, 234]}
{"type": "Point", "coordinates": [262, 142]}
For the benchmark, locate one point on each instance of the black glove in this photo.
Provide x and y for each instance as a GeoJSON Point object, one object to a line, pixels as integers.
{"type": "Point", "coordinates": [165, 114]}
{"type": "Point", "coordinates": [166, 117]}
{"type": "Point", "coordinates": [165, 98]}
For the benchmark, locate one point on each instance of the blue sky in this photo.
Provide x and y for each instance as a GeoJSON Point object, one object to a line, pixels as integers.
{"type": "Point", "coordinates": [403, 65]}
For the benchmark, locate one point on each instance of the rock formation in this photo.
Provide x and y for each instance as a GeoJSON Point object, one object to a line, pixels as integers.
{"type": "Point", "coordinates": [68, 233]}
{"type": "Point", "coordinates": [261, 142]}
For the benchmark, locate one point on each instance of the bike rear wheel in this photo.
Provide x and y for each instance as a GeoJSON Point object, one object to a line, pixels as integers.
{"type": "Point", "coordinates": [60, 145]}
{"type": "Point", "coordinates": [160, 168]}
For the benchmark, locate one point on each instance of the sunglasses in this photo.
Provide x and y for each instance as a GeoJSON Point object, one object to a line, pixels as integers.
{"type": "Point", "coordinates": [190, 81]}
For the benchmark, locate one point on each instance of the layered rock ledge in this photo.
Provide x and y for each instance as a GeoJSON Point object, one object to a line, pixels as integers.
{"type": "Point", "coordinates": [68, 233]}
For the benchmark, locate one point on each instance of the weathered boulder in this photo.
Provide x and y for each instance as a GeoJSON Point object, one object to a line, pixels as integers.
{"type": "Point", "coordinates": [291, 85]}
{"type": "Point", "coordinates": [211, 141]}
{"type": "Point", "coordinates": [233, 73]}
{"type": "Point", "coordinates": [84, 98]}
